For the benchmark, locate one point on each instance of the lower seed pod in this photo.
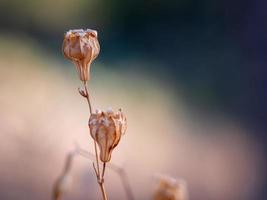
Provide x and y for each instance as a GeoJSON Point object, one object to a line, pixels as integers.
{"type": "Point", "coordinates": [106, 129]}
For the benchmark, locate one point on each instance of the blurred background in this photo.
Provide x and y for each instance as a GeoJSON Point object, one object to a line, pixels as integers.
{"type": "Point", "coordinates": [190, 75]}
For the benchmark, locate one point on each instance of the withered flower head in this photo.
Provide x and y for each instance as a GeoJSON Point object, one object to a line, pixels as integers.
{"type": "Point", "coordinates": [107, 129]}
{"type": "Point", "coordinates": [171, 189]}
{"type": "Point", "coordinates": [81, 47]}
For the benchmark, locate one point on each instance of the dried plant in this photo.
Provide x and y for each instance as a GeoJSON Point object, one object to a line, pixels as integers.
{"type": "Point", "coordinates": [106, 128]}
{"type": "Point", "coordinates": [62, 184]}
{"type": "Point", "coordinates": [118, 169]}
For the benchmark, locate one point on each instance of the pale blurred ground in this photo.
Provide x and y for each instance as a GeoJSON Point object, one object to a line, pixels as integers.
{"type": "Point", "coordinates": [42, 115]}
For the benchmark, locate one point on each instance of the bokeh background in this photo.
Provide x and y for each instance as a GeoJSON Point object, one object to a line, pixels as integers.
{"type": "Point", "coordinates": [190, 75]}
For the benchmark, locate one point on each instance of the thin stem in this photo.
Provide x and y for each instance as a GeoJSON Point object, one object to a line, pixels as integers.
{"type": "Point", "coordinates": [100, 178]}
{"type": "Point", "coordinates": [103, 190]}
{"type": "Point", "coordinates": [95, 170]}
{"type": "Point", "coordinates": [97, 161]}
{"type": "Point", "coordinates": [90, 110]}
{"type": "Point", "coordinates": [103, 170]}
{"type": "Point", "coordinates": [87, 96]}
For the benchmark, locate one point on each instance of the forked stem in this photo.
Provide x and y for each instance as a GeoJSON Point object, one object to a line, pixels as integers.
{"type": "Point", "coordinates": [119, 170]}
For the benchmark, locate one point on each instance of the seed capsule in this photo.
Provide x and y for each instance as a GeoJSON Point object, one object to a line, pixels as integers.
{"type": "Point", "coordinates": [81, 47]}
{"type": "Point", "coordinates": [107, 129]}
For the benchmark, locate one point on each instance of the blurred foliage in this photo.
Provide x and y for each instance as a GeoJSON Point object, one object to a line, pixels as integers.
{"type": "Point", "coordinates": [203, 49]}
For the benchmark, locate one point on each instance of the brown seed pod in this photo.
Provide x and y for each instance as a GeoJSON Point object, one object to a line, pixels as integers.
{"type": "Point", "coordinates": [81, 47]}
{"type": "Point", "coordinates": [107, 129]}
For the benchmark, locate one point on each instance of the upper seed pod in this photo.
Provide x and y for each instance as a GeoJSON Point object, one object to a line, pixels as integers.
{"type": "Point", "coordinates": [106, 129]}
{"type": "Point", "coordinates": [81, 47]}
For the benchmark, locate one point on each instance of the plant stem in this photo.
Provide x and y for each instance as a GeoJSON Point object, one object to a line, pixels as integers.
{"type": "Point", "coordinates": [87, 96]}
{"type": "Point", "coordinates": [103, 170]}
{"type": "Point", "coordinates": [103, 190]}
{"type": "Point", "coordinates": [119, 170]}
{"type": "Point", "coordinates": [90, 110]}
{"type": "Point", "coordinates": [100, 178]}
{"type": "Point", "coordinates": [97, 161]}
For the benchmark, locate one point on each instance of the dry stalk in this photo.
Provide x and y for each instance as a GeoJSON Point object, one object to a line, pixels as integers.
{"type": "Point", "coordinates": [119, 170]}
{"type": "Point", "coordinates": [99, 175]}
{"type": "Point", "coordinates": [57, 190]}
{"type": "Point", "coordinates": [106, 128]}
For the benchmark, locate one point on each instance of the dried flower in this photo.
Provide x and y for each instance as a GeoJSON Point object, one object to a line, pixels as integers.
{"type": "Point", "coordinates": [170, 189]}
{"type": "Point", "coordinates": [107, 129]}
{"type": "Point", "coordinates": [81, 47]}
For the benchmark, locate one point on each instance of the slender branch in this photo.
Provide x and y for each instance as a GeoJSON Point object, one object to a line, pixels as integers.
{"type": "Point", "coordinates": [97, 161]}
{"type": "Point", "coordinates": [103, 190]}
{"type": "Point", "coordinates": [87, 97]}
{"type": "Point", "coordinates": [95, 170]}
{"type": "Point", "coordinates": [103, 170]}
{"type": "Point", "coordinates": [100, 178]}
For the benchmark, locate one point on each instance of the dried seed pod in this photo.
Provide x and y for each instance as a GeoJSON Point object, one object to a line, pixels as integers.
{"type": "Point", "coordinates": [107, 129]}
{"type": "Point", "coordinates": [170, 189]}
{"type": "Point", "coordinates": [81, 47]}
